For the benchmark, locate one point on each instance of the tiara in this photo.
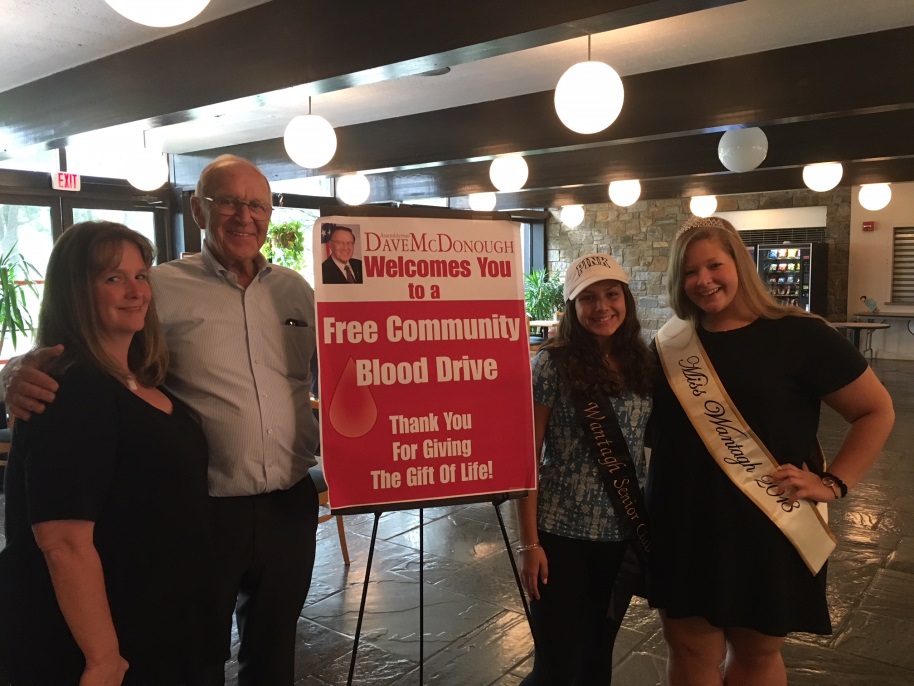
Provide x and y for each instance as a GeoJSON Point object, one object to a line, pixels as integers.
{"type": "Point", "coordinates": [700, 222]}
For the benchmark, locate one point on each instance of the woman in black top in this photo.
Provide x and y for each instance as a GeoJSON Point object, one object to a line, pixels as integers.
{"type": "Point", "coordinates": [728, 582]}
{"type": "Point", "coordinates": [102, 578]}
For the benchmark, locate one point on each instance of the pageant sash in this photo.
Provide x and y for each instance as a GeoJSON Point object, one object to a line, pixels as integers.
{"type": "Point", "coordinates": [609, 449]}
{"type": "Point", "coordinates": [733, 444]}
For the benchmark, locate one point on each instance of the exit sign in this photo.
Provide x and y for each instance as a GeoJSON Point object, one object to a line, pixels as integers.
{"type": "Point", "coordinates": [65, 181]}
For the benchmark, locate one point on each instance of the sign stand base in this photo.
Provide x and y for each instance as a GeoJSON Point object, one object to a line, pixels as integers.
{"type": "Point", "coordinates": [496, 502]}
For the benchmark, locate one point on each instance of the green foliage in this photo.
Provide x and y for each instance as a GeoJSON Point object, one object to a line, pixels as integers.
{"type": "Point", "coordinates": [14, 317]}
{"type": "Point", "coordinates": [285, 245]}
{"type": "Point", "coordinates": [543, 293]}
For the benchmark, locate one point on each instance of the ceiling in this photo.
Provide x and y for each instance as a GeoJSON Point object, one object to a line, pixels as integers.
{"type": "Point", "coordinates": [825, 79]}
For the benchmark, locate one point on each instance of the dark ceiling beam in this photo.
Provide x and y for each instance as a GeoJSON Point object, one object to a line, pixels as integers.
{"type": "Point", "coordinates": [863, 74]}
{"type": "Point", "coordinates": [285, 43]}
{"type": "Point", "coordinates": [845, 139]}
{"type": "Point", "coordinates": [758, 181]}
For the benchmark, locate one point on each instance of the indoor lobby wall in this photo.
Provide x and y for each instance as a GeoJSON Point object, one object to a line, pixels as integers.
{"type": "Point", "coordinates": [871, 267]}
{"type": "Point", "coordinates": [639, 237]}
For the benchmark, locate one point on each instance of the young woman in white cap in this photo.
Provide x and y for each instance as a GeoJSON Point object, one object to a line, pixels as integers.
{"type": "Point", "coordinates": [739, 550]}
{"type": "Point", "coordinates": [591, 403]}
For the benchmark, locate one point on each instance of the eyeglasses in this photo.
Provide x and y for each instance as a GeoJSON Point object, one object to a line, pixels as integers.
{"type": "Point", "coordinates": [229, 205]}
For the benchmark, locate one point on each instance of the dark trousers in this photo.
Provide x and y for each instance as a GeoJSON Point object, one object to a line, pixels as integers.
{"type": "Point", "coordinates": [264, 548]}
{"type": "Point", "coordinates": [577, 617]}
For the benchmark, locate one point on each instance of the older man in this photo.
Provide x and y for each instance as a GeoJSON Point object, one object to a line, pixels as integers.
{"type": "Point", "coordinates": [241, 335]}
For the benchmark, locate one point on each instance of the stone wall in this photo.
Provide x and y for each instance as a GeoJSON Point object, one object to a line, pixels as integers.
{"type": "Point", "coordinates": [639, 237]}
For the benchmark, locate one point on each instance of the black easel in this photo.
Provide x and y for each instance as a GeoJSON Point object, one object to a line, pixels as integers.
{"type": "Point", "coordinates": [496, 502]}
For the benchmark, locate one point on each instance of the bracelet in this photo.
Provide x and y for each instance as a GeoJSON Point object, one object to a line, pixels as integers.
{"type": "Point", "coordinates": [524, 548]}
{"type": "Point", "coordinates": [835, 484]}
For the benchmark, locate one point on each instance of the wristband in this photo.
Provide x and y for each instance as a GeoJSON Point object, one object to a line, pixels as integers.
{"type": "Point", "coordinates": [835, 484]}
{"type": "Point", "coordinates": [524, 548]}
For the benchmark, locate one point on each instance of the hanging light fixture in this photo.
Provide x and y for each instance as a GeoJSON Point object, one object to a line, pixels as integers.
{"type": "Point", "coordinates": [572, 215]}
{"type": "Point", "coordinates": [703, 205]}
{"type": "Point", "coordinates": [158, 12]}
{"type": "Point", "coordinates": [874, 196]}
{"type": "Point", "coordinates": [482, 202]}
{"type": "Point", "coordinates": [589, 96]}
{"type": "Point", "coordinates": [741, 150]}
{"type": "Point", "coordinates": [310, 140]}
{"type": "Point", "coordinates": [822, 177]}
{"type": "Point", "coordinates": [625, 193]}
{"type": "Point", "coordinates": [148, 170]}
{"type": "Point", "coordinates": [353, 189]}
{"type": "Point", "coordinates": [509, 173]}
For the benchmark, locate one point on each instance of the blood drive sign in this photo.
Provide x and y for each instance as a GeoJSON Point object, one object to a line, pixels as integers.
{"type": "Point", "coordinates": [425, 385]}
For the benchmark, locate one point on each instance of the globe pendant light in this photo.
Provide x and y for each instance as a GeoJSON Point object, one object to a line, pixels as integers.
{"type": "Point", "coordinates": [703, 205]}
{"type": "Point", "coordinates": [625, 193]}
{"type": "Point", "coordinates": [149, 170]}
{"type": "Point", "coordinates": [822, 177]}
{"type": "Point", "coordinates": [353, 189]}
{"type": "Point", "coordinates": [741, 150]}
{"type": "Point", "coordinates": [158, 12]}
{"type": "Point", "coordinates": [589, 96]}
{"type": "Point", "coordinates": [310, 140]}
{"type": "Point", "coordinates": [482, 202]}
{"type": "Point", "coordinates": [874, 196]}
{"type": "Point", "coordinates": [509, 173]}
{"type": "Point", "coordinates": [572, 215]}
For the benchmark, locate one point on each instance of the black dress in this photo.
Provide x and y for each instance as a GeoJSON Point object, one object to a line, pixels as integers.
{"type": "Point", "coordinates": [102, 454]}
{"type": "Point", "coordinates": [715, 554]}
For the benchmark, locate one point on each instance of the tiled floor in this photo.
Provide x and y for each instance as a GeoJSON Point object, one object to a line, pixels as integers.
{"type": "Point", "coordinates": [475, 631]}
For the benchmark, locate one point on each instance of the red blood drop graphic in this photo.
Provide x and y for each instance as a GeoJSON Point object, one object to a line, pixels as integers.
{"type": "Point", "coordinates": [353, 411]}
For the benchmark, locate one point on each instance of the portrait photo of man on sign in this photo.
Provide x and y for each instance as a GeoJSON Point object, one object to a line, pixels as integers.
{"type": "Point", "coordinates": [340, 267]}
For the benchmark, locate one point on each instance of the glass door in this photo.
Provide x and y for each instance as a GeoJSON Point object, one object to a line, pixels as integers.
{"type": "Point", "coordinates": [140, 220]}
{"type": "Point", "coordinates": [26, 233]}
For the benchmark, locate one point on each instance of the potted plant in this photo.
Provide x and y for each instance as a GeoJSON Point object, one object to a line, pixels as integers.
{"type": "Point", "coordinates": [285, 245]}
{"type": "Point", "coordinates": [16, 274]}
{"type": "Point", "coordinates": [544, 297]}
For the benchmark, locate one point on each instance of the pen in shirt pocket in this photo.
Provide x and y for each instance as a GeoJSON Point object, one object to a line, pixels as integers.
{"type": "Point", "coordinates": [295, 322]}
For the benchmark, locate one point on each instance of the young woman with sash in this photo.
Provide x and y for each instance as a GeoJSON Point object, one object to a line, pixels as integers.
{"type": "Point", "coordinates": [591, 405]}
{"type": "Point", "coordinates": [740, 546]}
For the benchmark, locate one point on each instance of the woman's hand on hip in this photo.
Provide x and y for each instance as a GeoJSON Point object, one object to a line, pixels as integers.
{"type": "Point", "coordinates": [799, 483]}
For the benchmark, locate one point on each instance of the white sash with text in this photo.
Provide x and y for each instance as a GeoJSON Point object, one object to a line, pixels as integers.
{"type": "Point", "coordinates": [734, 446]}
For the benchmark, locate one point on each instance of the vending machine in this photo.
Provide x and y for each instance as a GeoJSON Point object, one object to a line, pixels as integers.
{"type": "Point", "coordinates": [796, 273]}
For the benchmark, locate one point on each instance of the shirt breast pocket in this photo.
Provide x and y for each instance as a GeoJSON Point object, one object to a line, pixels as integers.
{"type": "Point", "coordinates": [297, 348]}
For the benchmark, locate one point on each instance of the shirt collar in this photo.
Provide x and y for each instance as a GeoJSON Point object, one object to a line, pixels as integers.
{"type": "Point", "coordinates": [214, 266]}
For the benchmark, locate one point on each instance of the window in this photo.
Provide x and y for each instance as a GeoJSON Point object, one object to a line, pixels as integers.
{"type": "Point", "coordinates": [293, 251]}
{"type": "Point", "coordinates": [903, 265]}
{"type": "Point", "coordinates": [141, 221]}
{"type": "Point", "coordinates": [26, 230]}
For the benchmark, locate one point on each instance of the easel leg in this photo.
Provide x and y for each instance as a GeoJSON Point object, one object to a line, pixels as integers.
{"type": "Point", "coordinates": [504, 534]}
{"type": "Point", "coordinates": [358, 625]}
{"type": "Point", "coordinates": [421, 594]}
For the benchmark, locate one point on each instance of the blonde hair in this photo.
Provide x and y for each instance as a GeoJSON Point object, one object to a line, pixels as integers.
{"type": "Point", "coordinates": [68, 316]}
{"type": "Point", "coordinates": [752, 293]}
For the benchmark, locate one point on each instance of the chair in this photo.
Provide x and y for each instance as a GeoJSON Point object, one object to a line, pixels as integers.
{"type": "Point", "coordinates": [323, 495]}
{"type": "Point", "coordinates": [323, 500]}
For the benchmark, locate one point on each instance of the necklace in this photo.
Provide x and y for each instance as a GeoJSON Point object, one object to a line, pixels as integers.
{"type": "Point", "coordinates": [131, 382]}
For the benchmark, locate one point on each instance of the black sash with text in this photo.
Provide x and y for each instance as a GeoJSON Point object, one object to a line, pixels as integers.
{"type": "Point", "coordinates": [608, 447]}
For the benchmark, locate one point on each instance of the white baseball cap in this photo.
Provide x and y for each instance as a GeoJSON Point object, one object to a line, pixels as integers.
{"type": "Point", "coordinates": [590, 269]}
